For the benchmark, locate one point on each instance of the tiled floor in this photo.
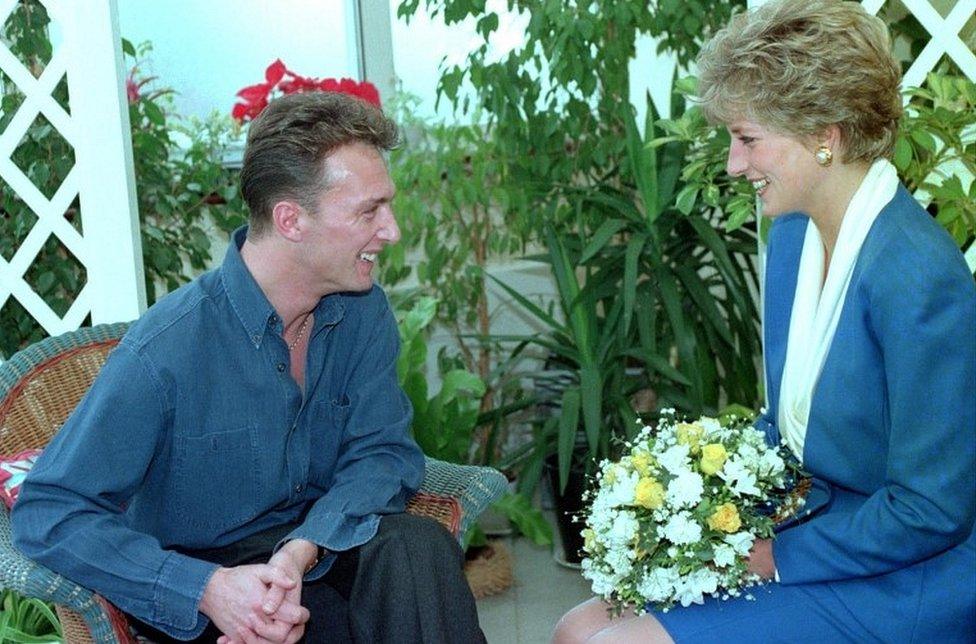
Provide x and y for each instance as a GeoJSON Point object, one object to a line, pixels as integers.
{"type": "Point", "coordinates": [542, 591]}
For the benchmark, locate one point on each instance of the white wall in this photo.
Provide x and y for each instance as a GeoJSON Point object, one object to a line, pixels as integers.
{"type": "Point", "coordinates": [209, 49]}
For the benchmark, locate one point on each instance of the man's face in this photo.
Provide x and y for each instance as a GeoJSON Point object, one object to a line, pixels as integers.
{"type": "Point", "coordinates": [351, 223]}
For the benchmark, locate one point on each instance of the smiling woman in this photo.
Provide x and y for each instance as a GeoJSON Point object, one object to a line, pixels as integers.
{"type": "Point", "coordinates": [810, 95]}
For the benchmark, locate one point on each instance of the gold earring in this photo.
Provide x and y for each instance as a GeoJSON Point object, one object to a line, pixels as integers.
{"type": "Point", "coordinates": [824, 156]}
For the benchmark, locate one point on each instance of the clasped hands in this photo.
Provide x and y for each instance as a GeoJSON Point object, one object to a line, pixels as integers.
{"type": "Point", "coordinates": [261, 603]}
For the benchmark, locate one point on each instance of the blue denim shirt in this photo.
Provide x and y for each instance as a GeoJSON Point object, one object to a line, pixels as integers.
{"type": "Point", "coordinates": [195, 435]}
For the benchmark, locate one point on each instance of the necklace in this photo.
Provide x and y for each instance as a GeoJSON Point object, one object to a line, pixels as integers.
{"type": "Point", "coordinates": [301, 332]}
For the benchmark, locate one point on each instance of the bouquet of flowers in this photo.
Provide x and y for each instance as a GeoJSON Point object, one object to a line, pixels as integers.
{"type": "Point", "coordinates": [675, 518]}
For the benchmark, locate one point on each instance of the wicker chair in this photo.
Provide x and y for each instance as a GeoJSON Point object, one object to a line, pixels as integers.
{"type": "Point", "coordinates": [42, 384]}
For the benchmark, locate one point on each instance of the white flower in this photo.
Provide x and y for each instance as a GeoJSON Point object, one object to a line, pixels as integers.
{"type": "Point", "coordinates": [711, 425]}
{"type": "Point", "coordinates": [622, 491]}
{"type": "Point", "coordinates": [692, 587]}
{"type": "Point", "coordinates": [658, 584]}
{"type": "Point", "coordinates": [681, 529]}
{"type": "Point", "coordinates": [620, 560]}
{"type": "Point", "coordinates": [724, 555]}
{"type": "Point", "coordinates": [674, 459]}
{"type": "Point", "coordinates": [739, 479]}
{"type": "Point", "coordinates": [601, 517]}
{"type": "Point", "coordinates": [623, 530]}
{"type": "Point", "coordinates": [685, 490]}
{"type": "Point", "coordinates": [770, 464]}
{"type": "Point", "coordinates": [603, 583]}
{"type": "Point", "coordinates": [740, 541]}
{"type": "Point", "coordinates": [748, 455]}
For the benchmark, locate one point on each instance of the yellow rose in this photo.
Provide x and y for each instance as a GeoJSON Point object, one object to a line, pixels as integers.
{"type": "Point", "coordinates": [690, 434]}
{"type": "Point", "coordinates": [725, 518]}
{"type": "Point", "coordinates": [713, 458]}
{"type": "Point", "coordinates": [641, 462]}
{"type": "Point", "coordinates": [649, 493]}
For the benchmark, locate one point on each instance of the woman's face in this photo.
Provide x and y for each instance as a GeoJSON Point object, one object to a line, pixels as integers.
{"type": "Point", "coordinates": [782, 169]}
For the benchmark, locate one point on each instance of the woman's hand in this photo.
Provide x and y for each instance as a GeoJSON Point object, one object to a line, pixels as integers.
{"type": "Point", "coordinates": [761, 559]}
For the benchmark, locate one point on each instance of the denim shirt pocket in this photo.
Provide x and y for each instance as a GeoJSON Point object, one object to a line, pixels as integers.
{"type": "Point", "coordinates": [328, 429]}
{"type": "Point", "coordinates": [219, 478]}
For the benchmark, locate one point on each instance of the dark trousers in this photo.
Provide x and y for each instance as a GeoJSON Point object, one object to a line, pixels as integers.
{"type": "Point", "coordinates": [406, 584]}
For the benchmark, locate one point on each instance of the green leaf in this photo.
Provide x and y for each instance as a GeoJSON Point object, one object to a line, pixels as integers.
{"type": "Point", "coordinates": [526, 518]}
{"type": "Point", "coordinates": [154, 114]}
{"type": "Point", "coordinates": [903, 154]}
{"type": "Point", "coordinates": [923, 139]}
{"type": "Point", "coordinates": [128, 48]}
{"type": "Point", "coordinates": [599, 239]}
{"type": "Point", "coordinates": [634, 248]}
{"type": "Point", "coordinates": [686, 198]}
{"type": "Point", "coordinates": [568, 426]}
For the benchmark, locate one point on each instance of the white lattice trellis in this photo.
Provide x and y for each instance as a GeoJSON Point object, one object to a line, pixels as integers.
{"type": "Point", "coordinates": [97, 129]}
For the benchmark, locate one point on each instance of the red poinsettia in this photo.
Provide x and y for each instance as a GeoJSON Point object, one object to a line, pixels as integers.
{"type": "Point", "coordinates": [279, 80]}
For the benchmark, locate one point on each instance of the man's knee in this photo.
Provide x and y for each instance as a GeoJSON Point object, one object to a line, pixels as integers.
{"type": "Point", "coordinates": [416, 534]}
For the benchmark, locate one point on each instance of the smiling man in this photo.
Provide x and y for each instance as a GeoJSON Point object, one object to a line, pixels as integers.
{"type": "Point", "coordinates": [238, 471]}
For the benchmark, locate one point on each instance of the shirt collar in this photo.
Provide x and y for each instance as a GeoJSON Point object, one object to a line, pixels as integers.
{"type": "Point", "coordinates": [247, 299]}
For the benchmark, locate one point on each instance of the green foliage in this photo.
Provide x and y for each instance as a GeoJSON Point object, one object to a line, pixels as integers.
{"type": "Point", "coordinates": [655, 302]}
{"type": "Point", "coordinates": [457, 204]}
{"type": "Point", "coordinates": [444, 424]}
{"type": "Point", "coordinates": [27, 620]}
{"type": "Point", "coordinates": [936, 142]}
{"type": "Point", "coordinates": [558, 105]}
{"type": "Point", "coordinates": [180, 183]}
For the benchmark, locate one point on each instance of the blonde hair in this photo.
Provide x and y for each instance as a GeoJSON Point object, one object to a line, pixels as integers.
{"type": "Point", "coordinates": [800, 66]}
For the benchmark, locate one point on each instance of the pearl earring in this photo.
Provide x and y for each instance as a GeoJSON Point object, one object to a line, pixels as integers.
{"type": "Point", "coordinates": [824, 156]}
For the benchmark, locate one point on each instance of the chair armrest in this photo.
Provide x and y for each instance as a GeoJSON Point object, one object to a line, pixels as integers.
{"type": "Point", "coordinates": [22, 575]}
{"type": "Point", "coordinates": [473, 487]}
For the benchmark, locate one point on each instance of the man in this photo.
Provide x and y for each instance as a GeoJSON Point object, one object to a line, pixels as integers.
{"type": "Point", "coordinates": [240, 466]}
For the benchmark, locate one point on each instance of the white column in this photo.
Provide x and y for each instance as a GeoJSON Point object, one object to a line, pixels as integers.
{"type": "Point", "coordinates": [103, 156]}
{"type": "Point", "coordinates": [374, 43]}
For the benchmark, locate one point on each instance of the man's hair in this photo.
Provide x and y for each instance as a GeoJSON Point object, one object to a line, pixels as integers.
{"type": "Point", "coordinates": [799, 66]}
{"type": "Point", "coordinates": [289, 141]}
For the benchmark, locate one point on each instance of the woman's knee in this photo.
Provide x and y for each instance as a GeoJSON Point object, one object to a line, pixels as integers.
{"type": "Point", "coordinates": [581, 623]}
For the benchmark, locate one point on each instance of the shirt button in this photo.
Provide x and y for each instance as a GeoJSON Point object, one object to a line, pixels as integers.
{"type": "Point", "coordinates": [299, 488]}
{"type": "Point", "coordinates": [281, 367]}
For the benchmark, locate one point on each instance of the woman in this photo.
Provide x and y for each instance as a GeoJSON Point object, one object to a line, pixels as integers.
{"type": "Point", "coordinates": [870, 349]}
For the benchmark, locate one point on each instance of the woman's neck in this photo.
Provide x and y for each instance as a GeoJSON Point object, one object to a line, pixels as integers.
{"type": "Point", "coordinates": [837, 192]}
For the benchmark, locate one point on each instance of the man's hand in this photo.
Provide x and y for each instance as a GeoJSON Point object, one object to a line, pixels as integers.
{"type": "Point", "coordinates": [282, 617]}
{"type": "Point", "coordinates": [293, 559]}
{"type": "Point", "coordinates": [761, 559]}
{"type": "Point", "coordinates": [233, 599]}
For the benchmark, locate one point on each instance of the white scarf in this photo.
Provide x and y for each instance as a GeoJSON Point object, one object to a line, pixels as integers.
{"type": "Point", "coordinates": [815, 312]}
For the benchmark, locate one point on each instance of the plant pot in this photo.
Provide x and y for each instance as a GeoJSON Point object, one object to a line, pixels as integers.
{"type": "Point", "coordinates": [569, 503]}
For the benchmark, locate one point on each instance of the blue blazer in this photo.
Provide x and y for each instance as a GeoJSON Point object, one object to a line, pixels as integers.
{"type": "Point", "coordinates": [892, 428]}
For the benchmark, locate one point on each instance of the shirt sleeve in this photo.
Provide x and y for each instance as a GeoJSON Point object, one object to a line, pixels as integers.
{"type": "Point", "coordinates": [923, 322]}
{"type": "Point", "coordinates": [70, 513]}
{"type": "Point", "coordinates": [379, 465]}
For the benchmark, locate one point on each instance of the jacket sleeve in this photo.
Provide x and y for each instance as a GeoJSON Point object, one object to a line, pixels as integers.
{"type": "Point", "coordinates": [379, 465]}
{"type": "Point", "coordinates": [923, 321]}
{"type": "Point", "coordinates": [69, 515]}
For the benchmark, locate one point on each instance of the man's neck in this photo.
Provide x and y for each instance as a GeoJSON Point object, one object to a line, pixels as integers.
{"type": "Point", "coordinates": [273, 269]}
